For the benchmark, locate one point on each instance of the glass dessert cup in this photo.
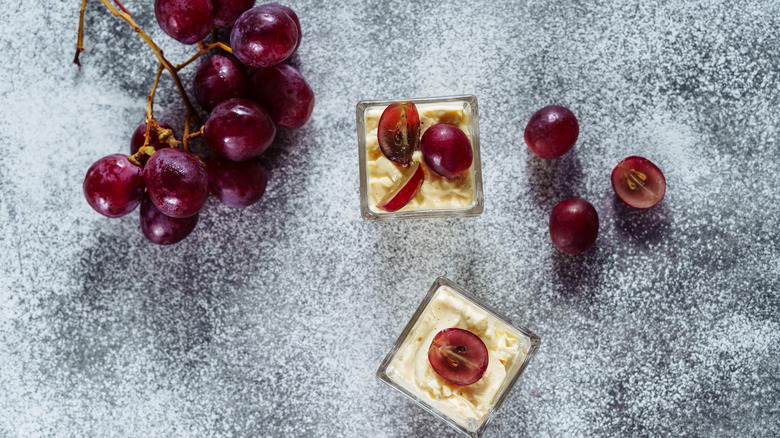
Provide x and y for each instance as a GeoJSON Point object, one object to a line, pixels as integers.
{"type": "Point", "coordinates": [468, 408]}
{"type": "Point", "coordinates": [438, 197]}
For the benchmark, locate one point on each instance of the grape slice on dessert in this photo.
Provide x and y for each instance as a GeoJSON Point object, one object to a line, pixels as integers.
{"type": "Point", "coordinates": [113, 185]}
{"type": "Point", "coordinates": [638, 182]}
{"type": "Point", "coordinates": [161, 229]}
{"type": "Point", "coordinates": [552, 131]}
{"type": "Point", "coordinates": [446, 150]}
{"type": "Point", "coordinates": [239, 129]}
{"type": "Point", "coordinates": [186, 21]}
{"type": "Point", "coordinates": [176, 182]}
{"type": "Point", "coordinates": [263, 36]}
{"type": "Point", "coordinates": [284, 92]}
{"type": "Point", "coordinates": [574, 225]}
{"type": "Point", "coordinates": [398, 132]}
{"type": "Point", "coordinates": [404, 189]}
{"type": "Point", "coordinates": [458, 356]}
{"type": "Point", "coordinates": [217, 79]}
{"type": "Point", "coordinates": [237, 184]}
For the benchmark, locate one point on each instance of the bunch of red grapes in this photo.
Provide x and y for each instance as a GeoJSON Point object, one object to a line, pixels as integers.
{"type": "Point", "coordinates": [248, 95]}
{"type": "Point", "coordinates": [574, 222]}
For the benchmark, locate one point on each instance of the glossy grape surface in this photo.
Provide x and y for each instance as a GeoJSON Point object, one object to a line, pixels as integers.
{"type": "Point", "coordinates": [113, 185]}
{"type": "Point", "coordinates": [398, 132]}
{"type": "Point", "coordinates": [284, 92]}
{"type": "Point", "coordinates": [226, 12]}
{"type": "Point", "coordinates": [186, 21]}
{"type": "Point", "coordinates": [574, 225]}
{"type": "Point", "coordinates": [237, 184]}
{"type": "Point", "coordinates": [446, 150]}
{"type": "Point", "coordinates": [137, 140]}
{"type": "Point", "coordinates": [239, 129]}
{"type": "Point", "coordinates": [217, 79]}
{"type": "Point", "coordinates": [552, 131]}
{"type": "Point", "coordinates": [638, 182]}
{"type": "Point", "coordinates": [263, 36]}
{"type": "Point", "coordinates": [458, 356]}
{"type": "Point", "coordinates": [177, 182]}
{"type": "Point", "coordinates": [161, 229]}
{"type": "Point", "coordinates": [294, 17]}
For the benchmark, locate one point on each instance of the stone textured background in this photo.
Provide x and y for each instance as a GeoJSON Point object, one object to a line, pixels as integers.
{"type": "Point", "coordinates": [271, 321]}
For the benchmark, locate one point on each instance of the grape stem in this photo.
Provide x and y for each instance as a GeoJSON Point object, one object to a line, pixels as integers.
{"type": "Point", "coordinates": [80, 41]}
{"type": "Point", "coordinates": [202, 49]}
{"type": "Point", "coordinates": [162, 133]}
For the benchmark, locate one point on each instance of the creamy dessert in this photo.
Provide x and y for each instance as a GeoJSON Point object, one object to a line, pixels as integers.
{"type": "Point", "coordinates": [466, 405]}
{"type": "Point", "coordinates": [436, 192]}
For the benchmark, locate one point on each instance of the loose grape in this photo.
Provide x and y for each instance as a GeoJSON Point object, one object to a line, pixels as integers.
{"type": "Point", "coordinates": [552, 131]}
{"type": "Point", "coordinates": [574, 225]}
{"type": "Point", "coordinates": [638, 182]}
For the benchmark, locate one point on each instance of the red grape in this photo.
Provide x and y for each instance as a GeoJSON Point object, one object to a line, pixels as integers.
{"type": "Point", "coordinates": [404, 189]}
{"type": "Point", "coordinates": [177, 182]}
{"type": "Point", "coordinates": [284, 92]}
{"type": "Point", "coordinates": [294, 16]}
{"type": "Point", "coordinates": [574, 225]}
{"type": "Point", "coordinates": [113, 185]}
{"type": "Point", "coordinates": [263, 36]}
{"type": "Point", "coordinates": [458, 356]}
{"type": "Point", "coordinates": [137, 140]}
{"type": "Point", "coordinates": [226, 12]}
{"type": "Point", "coordinates": [186, 21]}
{"type": "Point", "coordinates": [552, 131]}
{"type": "Point", "coordinates": [446, 150]}
{"type": "Point", "coordinates": [398, 132]}
{"type": "Point", "coordinates": [218, 78]}
{"type": "Point", "coordinates": [638, 182]}
{"type": "Point", "coordinates": [239, 129]}
{"type": "Point", "coordinates": [162, 229]}
{"type": "Point", "coordinates": [237, 184]}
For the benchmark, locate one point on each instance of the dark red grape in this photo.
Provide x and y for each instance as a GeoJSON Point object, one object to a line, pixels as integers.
{"type": "Point", "coordinates": [284, 92]}
{"type": "Point", "coordinates": [404, 190]}
{"type": "Point", "coordinates": [186, 21]}
{"type": "Point", "coordinates": [239, 129]}
{"type": "Point", "coordinates": [458, 356]}
{"type": "Point", "coordinates": [177, 182]}
{"type": "Point", "coordinates": [398, 132]}
{"type": "Point", "coordinates": [162, 229]}
{"type": "Point", "coordinates": [113, 185]}
{"type": "Point", "coordinates": [574, 225]}
{"type": "Point", "coordinates": [237, 184]}
{"type": "Point", "coordinates": [294, 16]}
{"type": "Point", "coordinates": [218, 78]}
{"type": "Point", "coordinates": [552, 131]}
{"type": "Point", "coordinates": [638, 182]}
{"type": "Point", "coordinates": [263, 36]}
{"type": "Point", "coordinates": [446, 150]}
{"type": "Point", "coordinates": [226, 12]}
{"type": "Point", "coordinates": [137, 140]}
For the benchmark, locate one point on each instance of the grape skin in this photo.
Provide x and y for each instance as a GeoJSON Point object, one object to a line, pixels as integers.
{"type": "Point", "coordinates": [284, 92]}
{"type": "Point", "coordinates": [237, 184]}
{"type": "Point", "coordinates": [226, 12]}
{"type": "Point", "coordinates": [446, 150]}
{"type": "Point", "coordinates": [263, 36]}
{"type": "Point", "coordinates": [218, 78]}
{"type": "Point", "coordinates": [186, 21]}
{"type": "Point", "coordinates": [176, 182]}
{"type": "Point", "coordinates": [552, 131]}
{"type": "Point", "coordinates": [239, 129]}
{"type": "Point", "coordinates": [574, 225]}
{"type": "Point", "coordinates": [161, 229]}
{"type": "Point", "coordinates": [113, 186]}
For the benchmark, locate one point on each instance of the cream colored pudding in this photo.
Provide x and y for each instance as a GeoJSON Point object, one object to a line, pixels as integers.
{"type": "Point", "coordinates": [436, 192]}
{"type": "Point", "coordinates": [467, 405]}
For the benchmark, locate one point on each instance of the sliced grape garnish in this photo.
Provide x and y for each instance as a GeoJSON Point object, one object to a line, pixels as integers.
{"type": "Point", "coordinates": [113, 185]}
{"type": "Point", "coordinates": [552, 131]}
{"type": "Point", "coordinates": [239, 129]}
{"type": "Point", "coordinates": [404, 189]}
{"type": "Point", "coordinates": [574, 225]}
{"type": "Point", "coordinates": [446, 150]}
{"type": "Point", "coordinates": [237, 183]}
{"type": "Point", "coordinates": [398, 132]}
{"type": "Point", "coordinates": [284, 92]}
{"type": "Point", "coordinates": [177, 182]}
{"type": "Point", "coordinates": [186, 21]}
{"type": "Point", "coordinates": [638, 182]}
{"type": "Point", "coordinates": [218, 78]}
{"type": "Point", "coordinates": [161, 229]}
{"type": "Point", "coordinates": [263, 36]}
{"type": "Point", "coordinates": [458, 356]}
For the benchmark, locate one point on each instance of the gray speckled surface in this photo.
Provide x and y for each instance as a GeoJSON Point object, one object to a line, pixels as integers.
{"type": "Point", "coordinates": [271, 321]}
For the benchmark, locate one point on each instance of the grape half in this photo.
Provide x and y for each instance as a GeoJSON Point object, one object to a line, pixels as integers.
{"type": "Point", "coordinates": [239, 129]}
{"type": "Point", "coordinates": [284, 92]}
{"type": "Point", "coordinates": [177, 182]}
{"type": "Point", "coordinates": [263, 36]}
{"type": "Point", "coordinates": [162, 229]}
{"type": "Point", "coordinates": [574, 225]}
{"type": "Point", "coordinates": [217, 79]}
{"type": "Point", "coordinates": [458, 356]}
{"type": "Point", "coordinates": [638, 182]}
{"type": "Point", "coordinates": [237, 184]}
{"type": "Point", "coordinates": [113, 185]}
{"type": "Point", "coordinates": [552, 131]}
{"type": "Point", "coordinates": [446, 150]}
{"type": "Point", "coordinates": [186, 21]}
{"type": "Point", "coordinates": [398, 132]}
{"type": "Point", "coordinates": [226, 12]}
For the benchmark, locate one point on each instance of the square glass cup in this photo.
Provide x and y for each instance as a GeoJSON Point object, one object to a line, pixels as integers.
{"type": "Point", "coordinates": [514, 344]}
{"type": "Point", "coordinates": [470, 125]}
